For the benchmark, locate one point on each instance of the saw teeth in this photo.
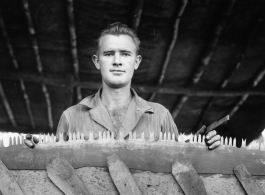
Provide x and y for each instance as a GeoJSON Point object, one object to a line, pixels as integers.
{"type": "Point", "coordinates": [21, 139]}
{"type": "Point", "coordinates": [234, 142]}
{"type": "Point", "coordinates": [195, 138]}
{"type": "Point", "coordinates": [121, 136]}
{"type": "Point", "coordinates": [74, 136]}
{"type": "Point", "coordinates": [108, 135]}
{"type": "Point", "coordinates": [142, 135]}
{"type": "Point", "coordinates": [226, 141]}
{"type": "Point", "coordinates": [173, 137]}
{"type": "Point", "coordinates": [243, 143]}
{"type": "Point", "coordinates": [130, 135]}
{"type": "Point", "coordinates": [91, 136]}
{"type": "Point", "coordinates": [160, 136]}
{"type": "Point", "coordinates": [10, 141]}
{"type": "Point", "coordinates": [199, 138]}
{"type": "Point", "coordinates": [134, 136]}
{"type": "Point", "coordinates": [169, 136]}
{"type": "Point", "coordinates": [203, 138]}
{"type": "Point", "coordinates": [151, 137]}
{"type": "Point", "coordinates": [15, 140]}
{"type": "Point", "coordinates": [112, 136]}
{"type": "Point", "coordinates": [222, 140]}
{"type": "Point", "coordinates": [104, 135]}
{"type": "Point", "coordinates": [230, 141]}
{"type": "Point", "coordinates": [163, 136]}
{"type": "Point", "coordinates": [100, 135]}
{"type": "Point", "coordinates": [70, 136]}
{"type": "Point", "coordinates": [60, 137]}
{"type": "Point", "coordinates": [82, 136]}
{"type": "Point", "coordinates": [41, 138]}
{"type": "Point", "coordinates": [78, 135]}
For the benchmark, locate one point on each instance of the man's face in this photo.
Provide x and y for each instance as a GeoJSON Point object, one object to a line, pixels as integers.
{"type": "Point", "coordinates": [117, 60]}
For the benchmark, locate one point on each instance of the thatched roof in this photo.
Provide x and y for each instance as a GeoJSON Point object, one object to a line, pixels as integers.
{"type": "Point", "coordinates": [201, 59]}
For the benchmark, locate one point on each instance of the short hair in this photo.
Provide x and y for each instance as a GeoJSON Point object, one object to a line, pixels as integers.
{"type": "Point", "coordinates": [117, 29]}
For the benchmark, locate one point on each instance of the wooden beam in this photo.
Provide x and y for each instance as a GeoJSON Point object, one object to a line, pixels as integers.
{"type": "Point", "coordinates": [206, 56]}
{"type": "Point", "coordinates": [137, 14]}
{"type": "Point", "coordinates": [171, 46]}
{"type": "Point", "coordinates": [16, 66]}
{"type": "Point", "coordinates": [141, 155]}
{"type": "Point", "coordinates": [255, 82]}
{"type": "Point", "coordinates": [35, 47]}
{"type": "Point", "coordinates": [7, 106]}
{"type": "Point", "coordinates": [67, 82]}
{"type": "Point", "coordinates": [73, 40]}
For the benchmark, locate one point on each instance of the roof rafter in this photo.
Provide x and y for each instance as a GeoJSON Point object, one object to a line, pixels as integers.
{"type": "Point", "coordinates": [72, 30]}
{"type": "Point", "coordinates": [222, 86]}
{"type": "Point", "coordinates": [255, 82]}
{"type": "Point", "coordinates": [35, 47]}
{"type": "Point", "coordinates": [7, 106]}
{"type": "Point", "coordinates": [206, 56]}
{"type": "Point", "coordinates": [230, 72]}
{"type": "Point", "coordinates": [137, 14]}
{"type": "Point", "coordinates": [16, 66]}
{"type": "Point", "coordinates": [67, 82]}
{"type": "Point", "coordinates": [171, 46]}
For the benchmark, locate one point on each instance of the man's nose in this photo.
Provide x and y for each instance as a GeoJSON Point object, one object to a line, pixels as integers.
{"type": "Point", "coordinates": [117, 60]}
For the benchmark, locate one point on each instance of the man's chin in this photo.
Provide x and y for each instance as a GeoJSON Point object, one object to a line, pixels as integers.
{"type": "Point", "coordinates": [117, 85]}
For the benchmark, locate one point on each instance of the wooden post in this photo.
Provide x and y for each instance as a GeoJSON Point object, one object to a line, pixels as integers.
{"type": "Point", "coordinates": [246, 180]}
{"type": "Point", "coordinates": [121, 176]}
{"type": "Point", "coordinates": [8, 185]}
{"type": "Point", "coordinates": [187, 177]}
{"type": "Point", "coordinates": [65, 178]}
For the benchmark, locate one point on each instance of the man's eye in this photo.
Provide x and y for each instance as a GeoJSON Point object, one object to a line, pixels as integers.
{"type": "Point", "coordinates": [126, 54]}
{"type": "Point", "coordinates": [108, 54]}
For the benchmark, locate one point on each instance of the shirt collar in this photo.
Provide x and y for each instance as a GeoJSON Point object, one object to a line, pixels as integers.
{"type": "Point", "coordinates": [99, 113]}
{"type": "Point", "coordinates": [94, 101]}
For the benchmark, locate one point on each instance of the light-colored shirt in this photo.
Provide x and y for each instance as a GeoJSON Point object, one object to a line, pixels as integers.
{"type": "Point", "coordinates": [141, 116]}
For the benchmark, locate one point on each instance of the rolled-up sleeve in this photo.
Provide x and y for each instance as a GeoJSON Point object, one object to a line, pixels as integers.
{"type": "Point", "coordinates": [168, 125]}
{"type": "Point", "coordinates": [62, 128]}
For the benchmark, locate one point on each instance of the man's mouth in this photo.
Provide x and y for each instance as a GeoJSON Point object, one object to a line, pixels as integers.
{"type": "Point", "coordinates": [117, 71]}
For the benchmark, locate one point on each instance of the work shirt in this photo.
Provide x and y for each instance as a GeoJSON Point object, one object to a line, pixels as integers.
{"type": "Point", "coordinates": [141, 116]}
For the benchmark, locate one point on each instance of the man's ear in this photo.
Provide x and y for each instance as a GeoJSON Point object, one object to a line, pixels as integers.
{"type": "Point", "coordinates": [96, 61]}
{"type": "Point", "coordinates": [137, 62]}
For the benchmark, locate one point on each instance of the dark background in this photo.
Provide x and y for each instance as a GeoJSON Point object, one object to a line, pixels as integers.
{"type": "Point", "coordinates": [209, 55]}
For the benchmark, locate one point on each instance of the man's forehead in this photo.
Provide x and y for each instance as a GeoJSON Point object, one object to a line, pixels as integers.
{"type": "Point", "coordinates": [121, 42]}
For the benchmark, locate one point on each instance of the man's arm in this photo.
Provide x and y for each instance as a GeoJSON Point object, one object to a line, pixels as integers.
{"type": "Point", "coordinates": [168, 125]}
{"type": "Point", "coordinates": [62, 128]}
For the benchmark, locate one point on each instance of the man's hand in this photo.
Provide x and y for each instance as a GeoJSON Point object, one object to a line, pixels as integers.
{"type": "Point", "coordinates": [213, 140]}
{"type": "Point", "coordinates": [30, 141]}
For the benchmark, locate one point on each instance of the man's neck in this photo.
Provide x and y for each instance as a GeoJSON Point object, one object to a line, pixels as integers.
{"type": "Point", "coordinates": [116, 98]}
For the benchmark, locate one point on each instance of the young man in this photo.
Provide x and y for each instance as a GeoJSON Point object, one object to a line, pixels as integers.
{"type": "Point", "coordinates": [116, 106]}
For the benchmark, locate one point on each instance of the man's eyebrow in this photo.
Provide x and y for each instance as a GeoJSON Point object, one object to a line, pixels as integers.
{"type": "Point", "coordinates": [125, 51]}
{"type": "Point", "coordinates": [109, 51]}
